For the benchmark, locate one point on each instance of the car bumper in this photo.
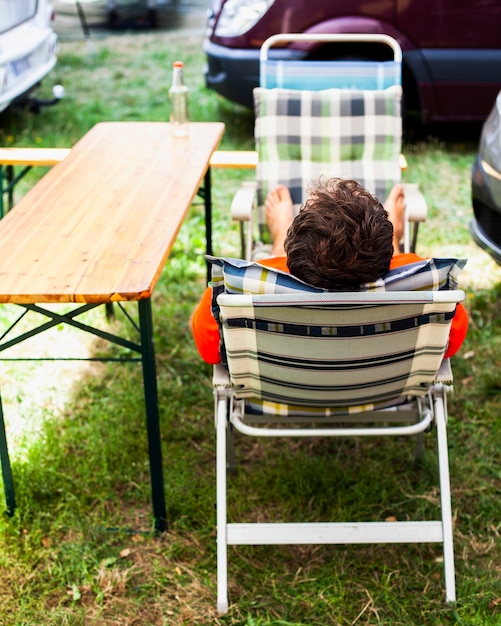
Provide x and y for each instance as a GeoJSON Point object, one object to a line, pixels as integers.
{"type": "Point", "coordinates": [234, 73]}
{"type": "Point", "coordinates": [484, 242]}
{"type": "Point", "coordinates": [485, 228]}
{"type": "Point", "coordinates": [231, 72]}
{"type": "Point", "coordinates": [36, 64]}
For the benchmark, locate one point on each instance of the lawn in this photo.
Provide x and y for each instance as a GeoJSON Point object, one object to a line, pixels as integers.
{"type": "Point", "coordinates": [79, 549]}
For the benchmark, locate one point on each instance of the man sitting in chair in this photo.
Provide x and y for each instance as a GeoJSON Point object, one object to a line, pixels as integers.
{"type": "Point", "coordinates": [341, 239]}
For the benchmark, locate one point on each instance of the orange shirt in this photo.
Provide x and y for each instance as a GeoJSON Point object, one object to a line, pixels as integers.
{"type": "Point", "coordinates": [206, 330]}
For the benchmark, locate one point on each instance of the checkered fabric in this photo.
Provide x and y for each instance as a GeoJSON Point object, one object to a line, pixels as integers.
{"type": "Point", "coordinates": [333, 354]}
{"type": "Point", "coordinates": [302, 135]}
{"type": "Point", "coordinates": [248, 277]}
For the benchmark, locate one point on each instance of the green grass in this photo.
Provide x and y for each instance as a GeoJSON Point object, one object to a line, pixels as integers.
{"type": "Point", "coordinates": [79, 548]}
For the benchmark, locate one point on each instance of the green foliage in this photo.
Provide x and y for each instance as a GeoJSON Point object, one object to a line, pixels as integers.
{"type": "Point", "coordinates": [79, 549]}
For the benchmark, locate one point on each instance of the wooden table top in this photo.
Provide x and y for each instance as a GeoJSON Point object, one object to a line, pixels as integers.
{"type": "Point", "coordinates": [99, 226]}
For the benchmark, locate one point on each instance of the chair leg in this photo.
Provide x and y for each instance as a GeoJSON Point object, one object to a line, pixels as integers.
{"type": "Point", "coordinates": [231, 459]}
{"type": "Point", "coordinates": [424, 405]}
{"type": "Point", "coordinates": [419, 448]}
{"type": "Point", "coordinates": [242, 240]}
{"type": "Point", "coordinates": [8, 481]}
{"type": "Point", "coordinates": [445, 498]}
{"type": "Point", "coordinates": [222, 557]}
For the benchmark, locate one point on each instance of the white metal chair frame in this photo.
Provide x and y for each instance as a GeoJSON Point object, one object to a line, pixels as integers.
{"type": "Point", "coordinates": [422, 412]}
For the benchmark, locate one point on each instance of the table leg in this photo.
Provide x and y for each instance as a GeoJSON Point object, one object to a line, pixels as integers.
{"type": "Point", "coordinates": [208, 218]}
{"type": "Point", "coordinates": [11, 183]}
{"type": "Point", "coordinates": [152, 415]}
{"type": "Point", "coordinates": [8, 482]}
{"type": "Point", "coordinates": [8, 181]}
{"type": "Point", "coordinates": [2, 191]}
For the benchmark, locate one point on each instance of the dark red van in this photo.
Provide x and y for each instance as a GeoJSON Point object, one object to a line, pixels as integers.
{"type": "Point", "coordinates": [451, 48]}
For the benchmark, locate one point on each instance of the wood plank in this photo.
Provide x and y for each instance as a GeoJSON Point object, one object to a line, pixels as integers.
{"type": "Point", "coordinates": [234, 159]}
{"type": "Point", "coordinates": [32, 156]}
{"type": "Point", "coordinates": [100, 224]}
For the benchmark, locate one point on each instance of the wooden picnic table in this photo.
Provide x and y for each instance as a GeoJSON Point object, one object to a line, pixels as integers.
{"type": "Point", "coordinates": [98, 228]}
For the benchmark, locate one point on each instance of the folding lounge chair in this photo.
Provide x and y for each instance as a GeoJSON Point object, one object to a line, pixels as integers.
{"type": "Point", "coordinates": [330, 118]}
{"type": "Point", "coordinates": [300, 364]}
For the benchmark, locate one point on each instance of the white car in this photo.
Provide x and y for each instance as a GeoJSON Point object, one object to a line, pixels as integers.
{"type": "Point", "coordinates": [28, 47]}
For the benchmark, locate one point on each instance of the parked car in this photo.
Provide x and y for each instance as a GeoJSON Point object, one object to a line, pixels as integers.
{"type": "Point", "coordinates": [28, 46]}
{"type": "Point", "coordinates": [451, 49]}
{"type": "Point", "coordinates": [116, 8]}
{"type": "Point", "coordinates": [485, 228]}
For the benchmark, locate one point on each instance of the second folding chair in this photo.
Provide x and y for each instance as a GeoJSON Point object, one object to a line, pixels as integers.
{"type": "Point", "coordinates": [326, 118]}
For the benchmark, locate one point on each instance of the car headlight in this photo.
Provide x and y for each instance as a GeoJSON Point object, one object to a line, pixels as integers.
{"type": "Point", "coordinates": [238, 16]}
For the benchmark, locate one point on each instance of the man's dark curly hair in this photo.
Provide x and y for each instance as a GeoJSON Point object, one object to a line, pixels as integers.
{"type": "Point", "coordinates": [341, 238]}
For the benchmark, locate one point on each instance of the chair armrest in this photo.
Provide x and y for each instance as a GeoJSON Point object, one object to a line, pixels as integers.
{"type": "Point", "coordinates": [243, 202]}
{"type": "Point", "coordinates": [415, 211]}
{"type": "Point", "coordinates": [444, 374]}
{"type": "Point", "coordinates": [416, 207]}
{"type": "Point", "coordinates": [220, 376]}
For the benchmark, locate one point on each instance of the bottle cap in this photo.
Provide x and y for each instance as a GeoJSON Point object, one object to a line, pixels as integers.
{"type": "Point", "coordinates": [177, 64]}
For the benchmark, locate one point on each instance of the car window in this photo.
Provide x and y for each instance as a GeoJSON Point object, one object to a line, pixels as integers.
{"type": "Point", "coordinates": [15, 12]}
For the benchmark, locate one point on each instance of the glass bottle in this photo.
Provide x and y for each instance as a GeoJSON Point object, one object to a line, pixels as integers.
{"type": "Point", "coordinates": [178, 97]}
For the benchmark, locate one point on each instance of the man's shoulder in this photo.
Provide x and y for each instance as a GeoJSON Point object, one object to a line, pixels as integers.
{"type": "Point", "coordinates": [404, 258]}
{"type": "Point", "coordinates": [276, 262]}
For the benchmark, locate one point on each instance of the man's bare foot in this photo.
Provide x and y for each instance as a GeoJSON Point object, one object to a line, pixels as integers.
{"type": "Point", "coordinates": [395, 205]}
{"type": "Point", "coordinates": [279, 216]}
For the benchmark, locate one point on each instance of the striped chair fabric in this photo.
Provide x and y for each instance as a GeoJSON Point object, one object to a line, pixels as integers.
{"type": "Point", "coordinates": [235, 276]}
{"type": "Point", "coordinates": [330, 354]}
{"type": "Point", "coordinates": [319, 75]}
